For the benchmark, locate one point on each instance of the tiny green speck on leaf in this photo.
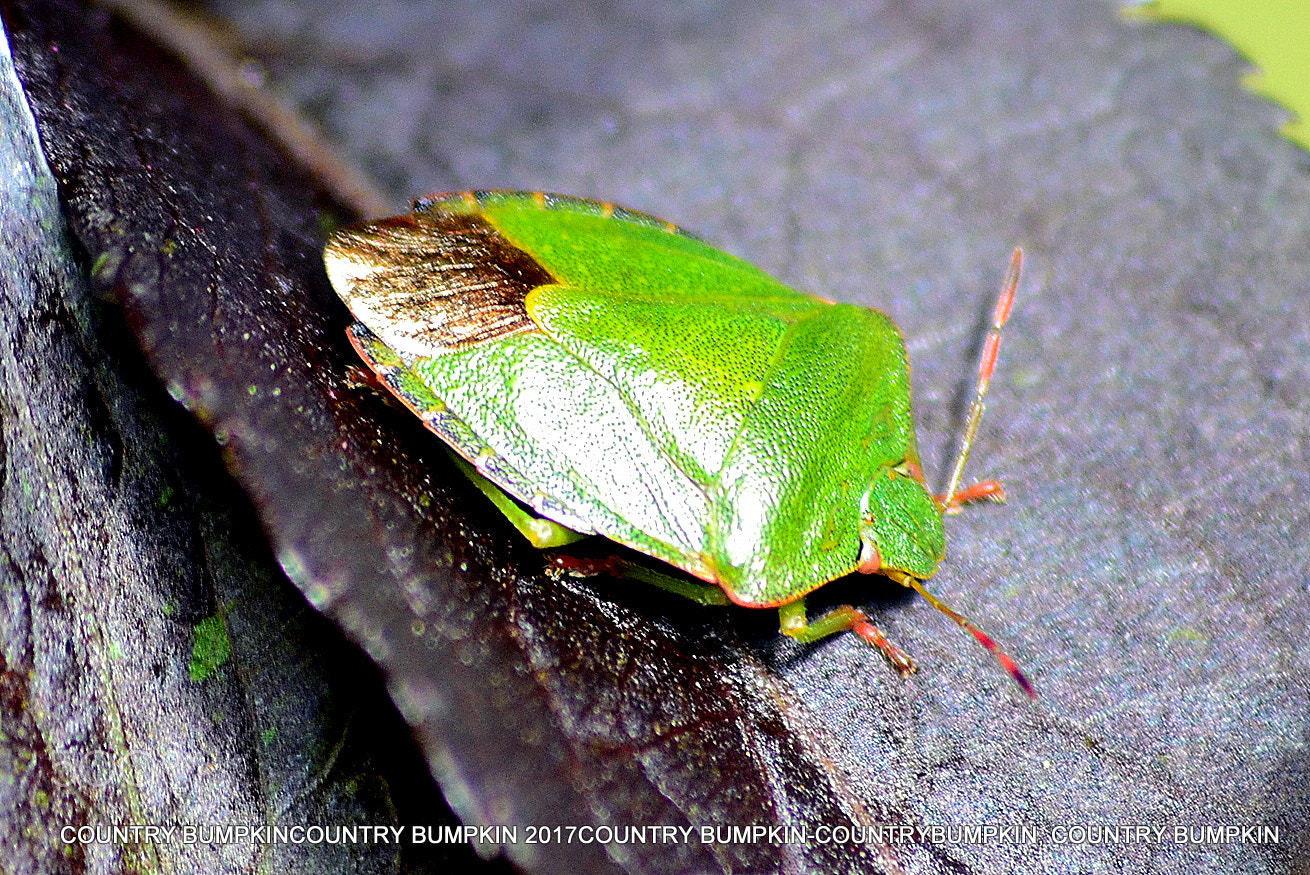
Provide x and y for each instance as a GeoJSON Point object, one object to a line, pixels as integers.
{"type": "Point", "coordinates": [210, 649]}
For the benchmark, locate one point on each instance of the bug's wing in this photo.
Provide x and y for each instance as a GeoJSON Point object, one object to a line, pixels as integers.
{"type": "Point", "coordinates": [444, 290]}
{"type": "Point", "coordinates": [429, 283]}
{"type": "Point", "coordinates": [548, 416]}
{"type": "Point", "coordinates": [418, 396]}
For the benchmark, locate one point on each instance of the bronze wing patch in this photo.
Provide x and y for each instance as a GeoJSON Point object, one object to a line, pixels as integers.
{"type": "Point", "coordinates": [429, 282]}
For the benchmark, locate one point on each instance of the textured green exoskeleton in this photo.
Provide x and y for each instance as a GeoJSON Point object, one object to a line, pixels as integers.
{"type": "Point", "coordinates": [620, 377]}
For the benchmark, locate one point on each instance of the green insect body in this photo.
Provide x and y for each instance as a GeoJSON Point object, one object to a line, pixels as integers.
{"type": "Point", "coordinates": [620, 377]}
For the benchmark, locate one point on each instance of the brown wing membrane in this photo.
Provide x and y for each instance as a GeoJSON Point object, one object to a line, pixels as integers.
{"type": "Point", "coordinates": [425, 281]}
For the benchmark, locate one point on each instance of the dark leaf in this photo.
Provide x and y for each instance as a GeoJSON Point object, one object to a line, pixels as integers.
{"type": "Point", "coordinates": [1149, 413]}
{"type": "Point", "coordinates": [537, 703]}
{"type": "Point", "coordinates": [156, 668]}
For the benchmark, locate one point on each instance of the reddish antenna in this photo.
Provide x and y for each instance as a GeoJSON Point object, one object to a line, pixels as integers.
{"type": "Point", "coordinates": [989, 489]}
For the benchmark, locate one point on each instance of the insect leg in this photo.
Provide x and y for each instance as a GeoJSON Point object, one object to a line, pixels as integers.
{"type": "Point", "coordinates": [988, 490]}
{"type": "Point", "coordinates": [701, 593]}
{"type": "Point", "coordinates": [541, 532]}
{"type": "Point", "coordinates": [794, 622]}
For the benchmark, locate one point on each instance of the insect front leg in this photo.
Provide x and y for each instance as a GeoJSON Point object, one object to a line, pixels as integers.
{"type": "Point", "coordinates": [795, 623]}
{"type": "Point", "coordinates": [983, 490]}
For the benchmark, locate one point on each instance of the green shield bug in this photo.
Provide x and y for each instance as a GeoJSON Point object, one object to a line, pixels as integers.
{"type": "Point", "coordinates": [620, 377]}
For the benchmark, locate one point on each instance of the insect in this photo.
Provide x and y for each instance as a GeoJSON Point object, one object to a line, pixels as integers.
{"type": "Point", "coordinates": [618, 376]}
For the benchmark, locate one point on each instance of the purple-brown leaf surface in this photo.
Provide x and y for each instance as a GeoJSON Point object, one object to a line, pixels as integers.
{"type": "Point", "coordinates": [535, 702]}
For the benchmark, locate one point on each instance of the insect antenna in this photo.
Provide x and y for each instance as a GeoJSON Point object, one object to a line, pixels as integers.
{"type": "Point", "coordinates": [983, 638]}
{"type": "Point", "coordinates": [954, 496]}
